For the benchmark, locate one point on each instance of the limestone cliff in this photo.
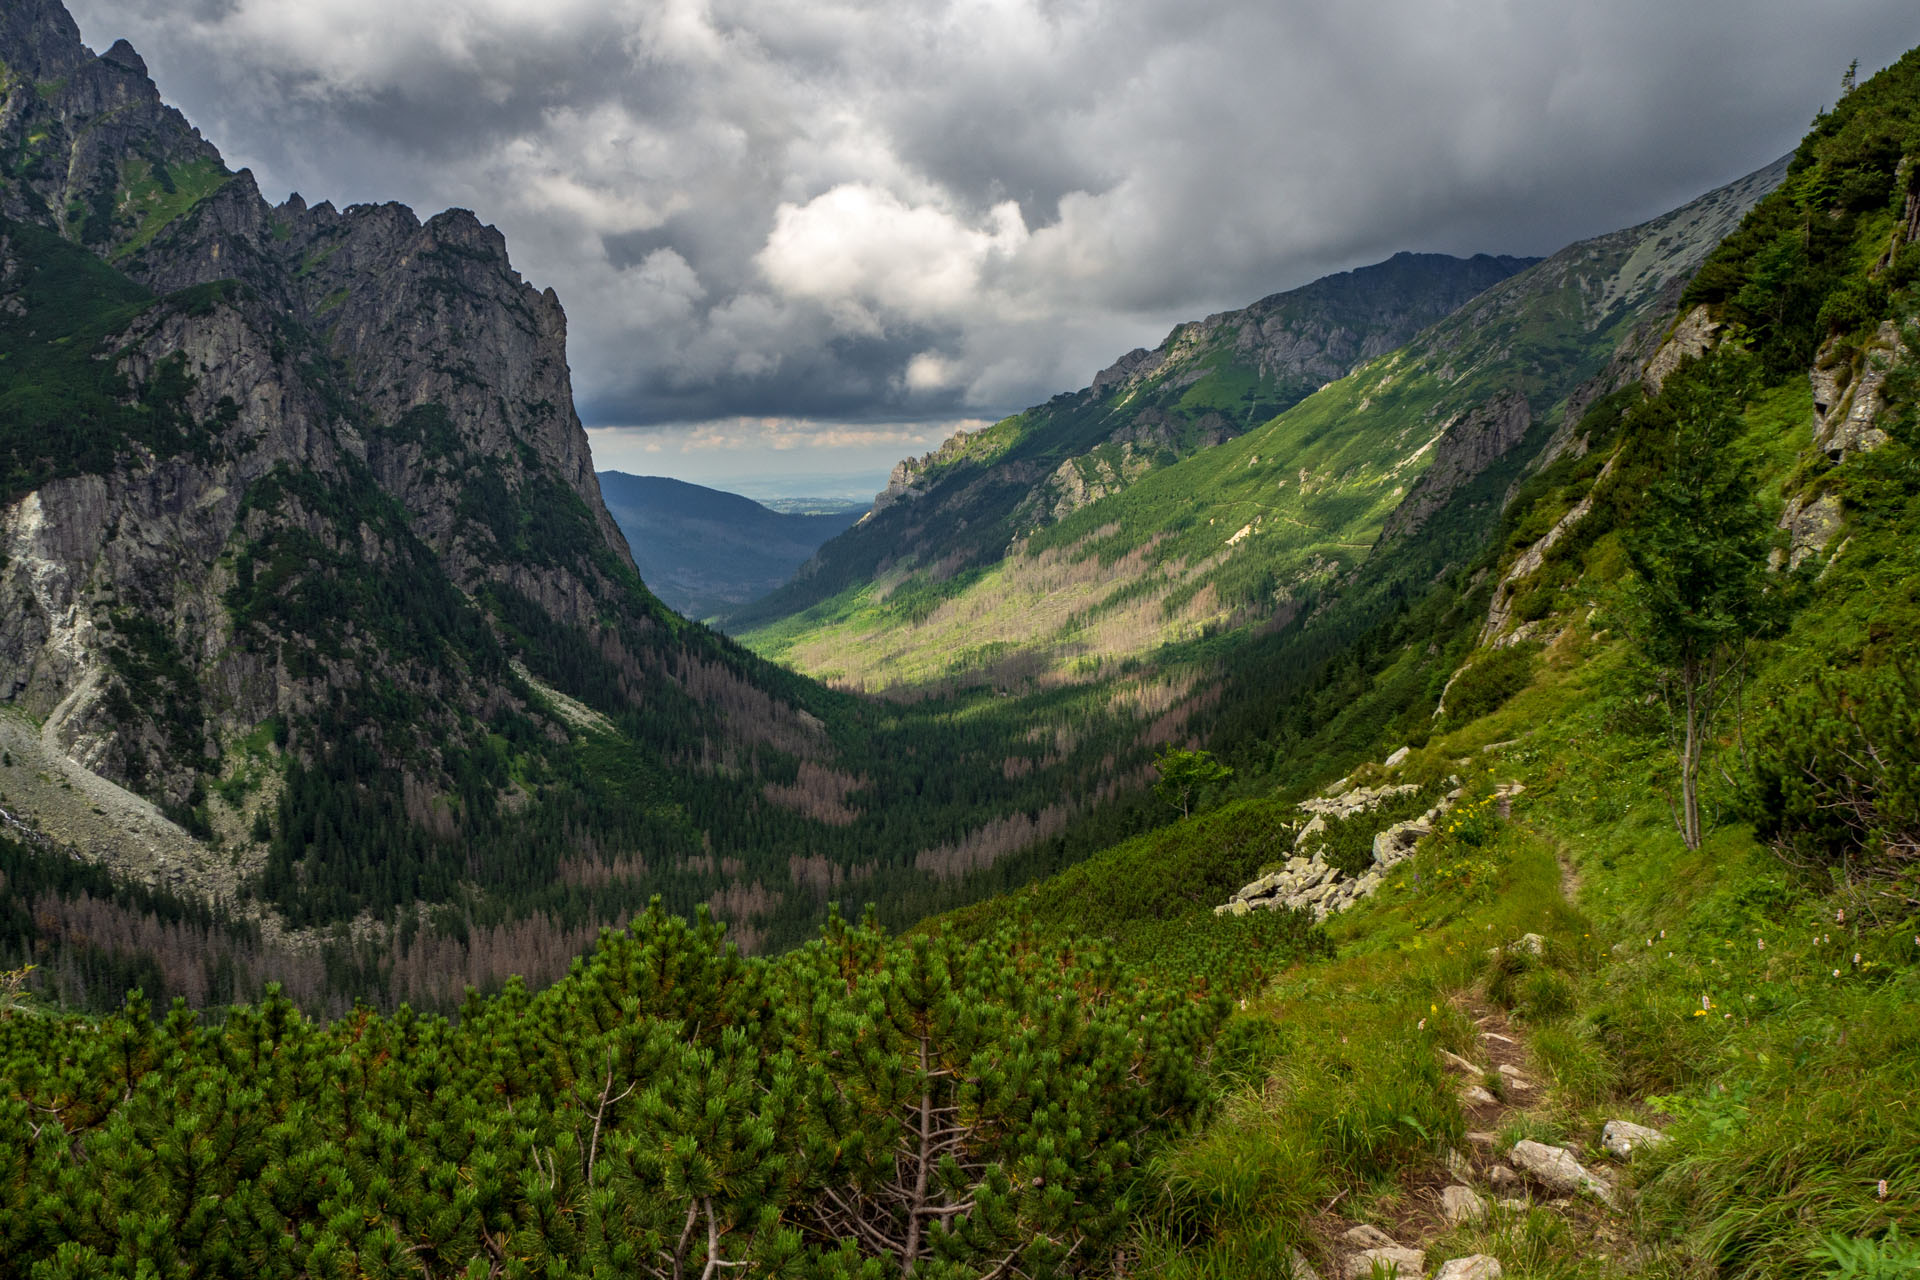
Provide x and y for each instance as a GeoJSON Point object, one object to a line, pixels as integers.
{"type": "Point", "coordinates": [304, 568]}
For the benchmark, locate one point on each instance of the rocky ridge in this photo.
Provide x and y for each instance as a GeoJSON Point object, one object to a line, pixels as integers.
{"type": "Point", "coordinates": [1208, 382]}
{"type": "Point", "coordinates": [335, 501]}
{"type": "Point", "coordinates": [1308, 882]}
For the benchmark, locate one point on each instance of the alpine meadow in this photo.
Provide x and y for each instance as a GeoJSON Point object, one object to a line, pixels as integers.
{"type": "Point", "coordinates": [1416, 775]}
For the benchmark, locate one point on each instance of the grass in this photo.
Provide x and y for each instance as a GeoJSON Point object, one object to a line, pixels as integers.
{"type": "Point", "coordinates": [156, 196]}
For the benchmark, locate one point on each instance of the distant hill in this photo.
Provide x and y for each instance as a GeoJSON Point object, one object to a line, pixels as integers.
{"type": "Point", "coordinates": [705, 550]}
{"type": "Point", "coordinates": [1196, 491]}
{"type": "Point", "coordinates": [960, 507]}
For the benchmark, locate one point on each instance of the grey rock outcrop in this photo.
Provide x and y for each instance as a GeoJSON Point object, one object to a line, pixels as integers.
{"type": "Point", "coordinates": [1810, 524]}
{"type": "Point", "coordinates": [1558, 1169]}
{"type": "Point", "coordinates": [1622, 1138]}
{"type": "Point", "coordinates": [1392, 1260]}
{"type": "Point", "coordinates": [1469, 444]}
{"type": "Point", "coordinates": [1695, 334]}
{"type": "Point", "coordinates": [1310, 883]}
{"type": "Point", "coordinates": [1462, 1204]}
{"type": "Point", "coordinates": [1848, 393]}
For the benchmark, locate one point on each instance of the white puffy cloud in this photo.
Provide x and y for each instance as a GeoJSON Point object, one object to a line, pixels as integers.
{"type": "Point", "coordinates": [832, 211]}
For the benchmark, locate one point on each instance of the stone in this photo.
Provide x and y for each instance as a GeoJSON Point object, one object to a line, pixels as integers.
{"type": "Point", "coordinates": [1501, 1178]}
{"type": "Point", "coordinates": [1481, 1138]}
{"type": "Point", "coordinates": [1846, 413]}
{"type": "Point", "coordinates": [1695, 334]}
{"type": "Point", "coordinates": [1622, 1138]}
{"type": "Point", "coordinates": [1459, 1166]}
{"type": "Point", "coordinates": [1515, 1076]}
{"type": "Point", "coordinates": [1462, 1204]}
{"type": "Point", "coordinates": [1531, 943]}
{"type": "Point", "coordinates": [1301, 1268]}
{"type": "Point", "coordinates": [1516, 1206]}
{"type": "Point", "coordinates": [1459, 1063]}
{"type": "Point", "coordinates": [1398, 756]}
{"type": "Point", "coordinates": [1475, 1096]}
{"type": "Point", "coordinates": [1396, 843]}
{"type": "Point", "coordinates": [1368, 1236]}
{"type": "Point", "coordinates": [1409, 1264]}
{"type": "Point", "coordinates": [1478, 1266]}
{"type": "Point", "coordinates": [1810, 526]}
{"type": "Point", "coordinates": [1557, 1169]}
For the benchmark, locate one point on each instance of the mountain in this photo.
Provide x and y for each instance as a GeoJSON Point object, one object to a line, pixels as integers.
{"type": "Point", "coordinates": [703, 551]}
{"type": "Point", "coordinates": [319, 647]}
{"type": "Point", "coordinates": [1105, 560]}
{"type": "Point", "coordinates": [1460, 936]}
{"type": "Point", "coordinates": [960, 506]}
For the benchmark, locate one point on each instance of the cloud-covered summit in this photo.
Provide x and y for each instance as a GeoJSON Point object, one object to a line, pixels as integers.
{"type": "Point", "coordinates": [918, 210]}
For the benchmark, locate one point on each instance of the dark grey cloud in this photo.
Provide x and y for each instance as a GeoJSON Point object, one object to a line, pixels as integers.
{"type": "Point", "coordinates": [888, 211]}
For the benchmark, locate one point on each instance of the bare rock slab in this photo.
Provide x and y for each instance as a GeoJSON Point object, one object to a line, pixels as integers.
{"type": "Point", "coordinates": [1368, 1236]}
{"type": "Point", "coordinates": [1462, 1204]}
{"type": "Point", "coordinates": [1480, 1266]}
{"type": "Point", "coordinates": [1409, 1264]}
{"type": "Point", "coordinates": [1622, 1138]}
{"type": "Point", "coordinates": [1557, 1169]}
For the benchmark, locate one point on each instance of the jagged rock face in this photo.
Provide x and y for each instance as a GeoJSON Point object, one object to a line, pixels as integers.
{"type": "Point", "coordinates": [346, 492]}
{"type": "Point", "coordinates": [88, 146]}
{"type": "Point", "coordinates": [1322, 331]}
{"type": "Point", "coordinates": [1847, 393]}
{"type": "Point", "coordinates": [1470, 443]}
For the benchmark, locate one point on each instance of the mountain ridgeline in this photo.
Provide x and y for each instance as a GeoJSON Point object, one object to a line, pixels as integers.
{"type": "Point", "coordinates": [959, 507]}
{"type": "Point", "coordinates": [1199, 491]}
{"type": "Point", "coordinates": [703, 551]}
{"type": "Point", "coordinates": [319, 649]}
{"type": "Point", "coordinates": [1567, 877]}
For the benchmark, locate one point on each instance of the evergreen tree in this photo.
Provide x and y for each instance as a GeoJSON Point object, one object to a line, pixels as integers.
{"type": "Point", "coordinates": [1698, 546]}
{"type": "Point", "coordinates": [1185, 777]}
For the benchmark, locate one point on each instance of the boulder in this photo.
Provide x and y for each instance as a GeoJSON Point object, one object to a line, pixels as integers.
{"type": "Point", "coordinates": [1409, 1264]}
{"type": "Point", "coordinates": [1475, 1096]}
{"type": "Point", "coordinates": [1398, 756]}
{"type": "Point", "coordinates": [1479, 1266]}
{"type": "Point", "coordinates": [1462, 1204]}
{"type": "Point", "coordinates": [1501, 1178]}
{"type": "Point", "coordinates": [1622, 1138]}
{"type": "Point", "coordinates": [1515, 1076]}
{"type": "Point", "coordinates": [1368, 1236]}
{"type": "Point", "coordinates": [1395, 844]}
{"type": "Point", "coordinates": [1557, 1169]}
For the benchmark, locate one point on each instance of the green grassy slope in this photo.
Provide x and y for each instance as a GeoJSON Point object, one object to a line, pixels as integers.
{"type": "Point", "coordinates": [1238, 537]}
{"type": "Point", "coordinates": [1757, 997]}
{"type": "Point", "coordinates": [1209, 381]}
{"type": "Point", "coordinates": [1188, 1095]}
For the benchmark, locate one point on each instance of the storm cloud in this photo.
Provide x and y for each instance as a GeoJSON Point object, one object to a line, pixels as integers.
{"type": "Point", "coordinates": [917, 211]}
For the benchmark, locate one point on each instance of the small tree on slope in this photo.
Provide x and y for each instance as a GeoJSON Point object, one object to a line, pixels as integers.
{"type": "Point", "coordinates": [1698, 545]}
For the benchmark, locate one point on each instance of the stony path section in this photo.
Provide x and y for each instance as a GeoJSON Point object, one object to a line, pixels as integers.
{"type": "Point", "coordinates": [1491, 1177]}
